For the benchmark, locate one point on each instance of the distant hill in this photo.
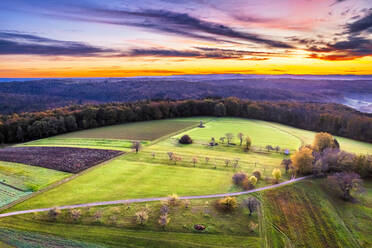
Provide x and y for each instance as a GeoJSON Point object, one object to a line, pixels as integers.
{"type": "Point", "coordinates": [23, 95]}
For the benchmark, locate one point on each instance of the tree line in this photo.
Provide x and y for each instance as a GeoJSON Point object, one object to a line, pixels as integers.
{"type": "Point", "coordinates": [327, 117]}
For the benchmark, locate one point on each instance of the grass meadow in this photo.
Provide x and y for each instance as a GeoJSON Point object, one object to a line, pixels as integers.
{"type": "Point", "coordinates": [299, 215]}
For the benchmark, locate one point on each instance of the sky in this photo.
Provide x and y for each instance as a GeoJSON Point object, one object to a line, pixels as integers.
{"type": "Point", "coordinates": [119, 38]}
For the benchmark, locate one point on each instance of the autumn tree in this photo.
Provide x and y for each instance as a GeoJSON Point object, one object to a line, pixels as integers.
{"type": "Point", "coordinates": [302, 160]}
{"type": "Point", "coordinates": [248, 143]}
{"type": "Point", "coordinates": [253, 180]}
{"type": "Point", "coordinates": [227, 204]}
{"type": "Point", "coordinates": [239, 177]}
{"type": "Point", "coordinates": [277, 174]}
{"type": "Point", "coordinates": [322, 141]}
{"type": "Point", "coordinates": [346, 183]}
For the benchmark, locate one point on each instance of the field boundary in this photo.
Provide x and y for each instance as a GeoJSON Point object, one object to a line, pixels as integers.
{"type": "Point", "coordinates": [104, 203]}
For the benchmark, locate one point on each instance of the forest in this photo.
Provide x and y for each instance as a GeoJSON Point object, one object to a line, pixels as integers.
{"type": "Point", "coordinates": [334, 118]}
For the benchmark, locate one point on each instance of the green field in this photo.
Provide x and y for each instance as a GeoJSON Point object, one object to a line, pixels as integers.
{"type": "Point", "coordinates": [307, 215]}
{"type": "Point", "coordinates": [148, 130]}
{"type": "Point", "coordinates": [26, 177]}
{"type": "Point", "coordinates": [111, 144]}
{"type": "Point", "coordinates": [260, 133]}
{"type": "Point", "coordinates": [299, 215]}
{"type": "Point", "coordinates": [345, 143]}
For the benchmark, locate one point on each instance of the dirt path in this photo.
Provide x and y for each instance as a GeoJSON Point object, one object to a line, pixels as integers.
{"type": "Point", "coordinates": [93, 204]}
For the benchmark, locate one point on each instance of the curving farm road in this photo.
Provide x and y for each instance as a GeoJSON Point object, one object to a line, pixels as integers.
{"type": "Point", "coordinates": [152, 199]}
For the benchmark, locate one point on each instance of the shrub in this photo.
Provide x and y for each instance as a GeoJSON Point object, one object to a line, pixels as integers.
{"type": "Point", "coordinates": [199, 227]}
{"type": "Point", "coordinates": [142, 217]}
{"type": "Point", "coordinates": [253, 180]}
{"type": "Point", "coordinates": [163, 220]}
{"type": "Point", "coordinates": [257, 174]}
{"type": "Point", "coordinates": [173, 200]}
{"type": "Point", "coordinates": [164, 209]}
{"type": "Point", "coordinates": [186, 203]}
{"type": "Point", "coordinates": [53, 213]}
{"type": "Point", "coordinates": [227, 204]}
{"type": "Point", "coordinates": [277, 174]}
{"type": "Point", "coordinates": [239, 177]}
{"type": "Point", "coordinates": [247, 185]}
{"type": "Point", "coordinates": [32, 187]}
{"type": "Point", "coordinates": [75, 214]}
{"type": "Point", "coordinates": [185, 139]}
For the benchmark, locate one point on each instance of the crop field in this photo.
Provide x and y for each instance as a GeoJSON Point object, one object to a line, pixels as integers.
{"type": "Point", "coordinates": [27, 239]}
{"type": "Point", "coordinates": [148, 130]}
{"type": "Point", "coordinates": [110, 144]}
{"type": "Point", "coordinates": [9, 194]}
{"type": "Point", "coordinates": [27, 177]}
{"type": "Point", "coordinates": [58, 158]}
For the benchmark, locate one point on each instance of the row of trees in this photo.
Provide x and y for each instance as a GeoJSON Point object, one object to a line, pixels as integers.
{"type": "Point", "coordinates": [333, 118]}
{"type": "Point", "coordinates": [325, 158]}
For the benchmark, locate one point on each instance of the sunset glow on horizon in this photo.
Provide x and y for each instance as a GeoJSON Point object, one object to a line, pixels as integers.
{"type": "Point", "coordinates": [121, 38]}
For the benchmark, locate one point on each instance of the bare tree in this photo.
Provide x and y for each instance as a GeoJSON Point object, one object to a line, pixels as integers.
{"type": "Point", "coordinates": [251, 203]}
{"type": "Point", "coordinates": [240, 136]}
{"type": "Point", "coordinates": [136, 145]}
{"type": "Point", "coordinates": [229, 137]}
{"type": "Point", "coordinates": [222, 139]}
{"type": "Point", "coordinates": [269, 148]}
{"type": "Point", "coordinates": [227, 162]}
{"type": "Point", "coordinates": [236, 163]}
{"type": "Point", "coordinates": [206, 160]}
{"type": "Point", "coordinates": [163, 220]}
{"type": "Point", "coordinates": [170, 155]}
{"type": "Point", "coordinates": [286, 163]}
{"type": "Point", "coordinates": [176, 158]}
{"type": "Point", "coordinates": [194, 160]}
{"type": "Point", "coordinates": [142, 217]}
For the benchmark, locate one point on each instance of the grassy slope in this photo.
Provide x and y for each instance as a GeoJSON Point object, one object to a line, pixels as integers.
{"type": "Point", "coordinates": [21, 175]}
{"type": "Point", "coordinates": [121, 179]}
{"type": "Point", "coordinates": [119, 237]}
{"type": "Point", "coordinates": [345, 143]}
{"type": "Point", "coordinates": [305, 215]}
